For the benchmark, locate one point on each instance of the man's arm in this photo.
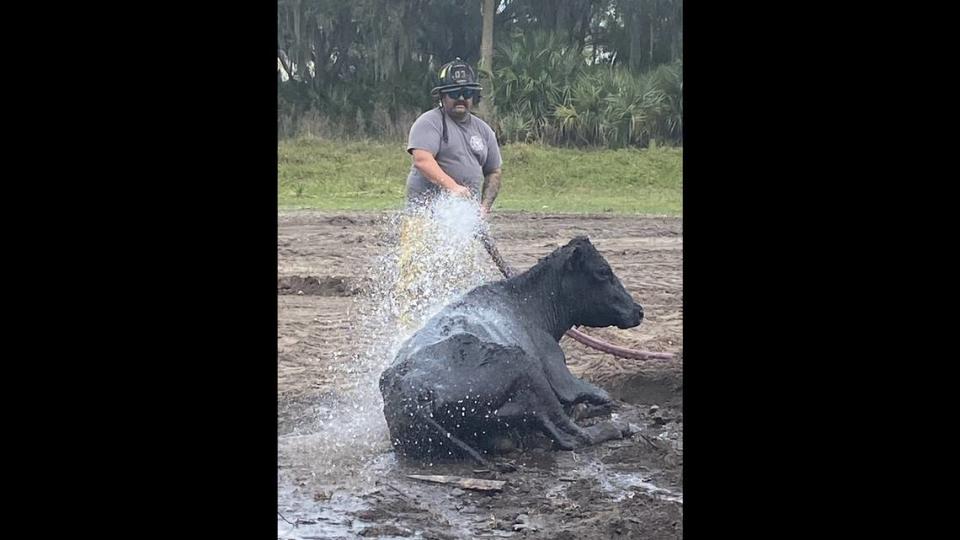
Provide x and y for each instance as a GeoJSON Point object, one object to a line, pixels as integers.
{"type": "Point", "coordinates": [430, 169]}
{"type": "Point", "coordinates": [491, 186]}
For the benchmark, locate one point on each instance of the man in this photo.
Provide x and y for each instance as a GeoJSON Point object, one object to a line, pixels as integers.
{"type": "Point", "coordinates": [452, 149]}
{"type": "Point", "coordinates": [455, 154]}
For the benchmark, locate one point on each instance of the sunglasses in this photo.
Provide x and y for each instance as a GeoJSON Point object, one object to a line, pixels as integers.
{"type": "Point", "coordinates": [462, 92]}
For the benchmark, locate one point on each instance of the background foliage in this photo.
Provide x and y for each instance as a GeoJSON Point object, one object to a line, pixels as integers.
{"type": "Point", "coordinates": [604, 73]}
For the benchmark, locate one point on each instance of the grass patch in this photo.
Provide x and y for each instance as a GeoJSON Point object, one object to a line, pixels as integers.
{"type": "Point", "coordinates": [371, 175]}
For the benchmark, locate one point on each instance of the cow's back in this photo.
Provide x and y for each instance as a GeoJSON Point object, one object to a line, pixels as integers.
{"type": "Point", "coordinates": [486, 313]}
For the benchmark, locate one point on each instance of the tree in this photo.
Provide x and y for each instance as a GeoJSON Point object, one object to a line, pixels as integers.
{"type": "Point", "coordinates": [486, 57]}
{"type": "Point", "coordinates": [365, 67]}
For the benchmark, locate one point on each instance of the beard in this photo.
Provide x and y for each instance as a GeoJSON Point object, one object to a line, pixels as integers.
{"type": "Point", "coordinates": [459, 113]}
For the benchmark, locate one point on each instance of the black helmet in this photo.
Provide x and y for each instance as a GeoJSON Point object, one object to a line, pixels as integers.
{"type": "Point", "coordinates": [456, 74]}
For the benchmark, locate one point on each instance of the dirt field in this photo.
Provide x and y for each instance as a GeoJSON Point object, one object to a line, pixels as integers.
{"type": "Point", "coordinates": [337, 474]}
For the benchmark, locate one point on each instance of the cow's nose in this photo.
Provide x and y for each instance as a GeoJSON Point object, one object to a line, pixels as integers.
{"type": "Point", "coordinates": [639, 310]}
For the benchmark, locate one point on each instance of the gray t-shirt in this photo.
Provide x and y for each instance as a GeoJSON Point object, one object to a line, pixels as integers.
{"type": "Point", "coordinates": [470, 153]}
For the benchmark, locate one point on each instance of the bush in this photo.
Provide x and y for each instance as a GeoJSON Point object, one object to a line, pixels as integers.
{"type": "Point", "coordinates": [545, 91]}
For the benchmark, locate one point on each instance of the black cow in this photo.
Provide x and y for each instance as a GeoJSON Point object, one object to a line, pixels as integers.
{"type": "Point", "coordinates": [490, 362]}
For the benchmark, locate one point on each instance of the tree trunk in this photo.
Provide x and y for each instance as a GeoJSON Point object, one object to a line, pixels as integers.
{"type": "Point", "coordinates": [286, 66]}
{"type": "Point", "coordinates": [636, 44]}
{"type": "Point", "coordinates": [651, 43]}
{"type": "Point", "coordinates": [484, 109]}
{"type": "Point", "coordinates": [297, 62]}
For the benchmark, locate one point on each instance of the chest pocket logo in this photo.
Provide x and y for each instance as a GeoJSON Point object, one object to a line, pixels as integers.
{"type": "Point", "coordinates": [476, 144]}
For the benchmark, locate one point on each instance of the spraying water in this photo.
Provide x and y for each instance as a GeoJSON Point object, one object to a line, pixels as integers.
{"type": "Point", "coordinates": [438, 259]}
{"type": "Point", "coordinates": [434, 256]}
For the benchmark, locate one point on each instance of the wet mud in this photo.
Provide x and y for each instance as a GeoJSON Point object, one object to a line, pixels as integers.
{"type": "Point", "coordinates": [337, 474]}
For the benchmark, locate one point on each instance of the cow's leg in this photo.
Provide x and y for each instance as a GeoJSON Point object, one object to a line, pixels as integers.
{"type": "Point", "coordinates": [605, 431]}
{"type": "Point", "coordinates": [569, 389]}
{"type": "Point", "coordinates": [526, 407]}
{"type": "Point", "coordinates": [584, 411]}
{"type": "Point", "coordinates": [535, 398]}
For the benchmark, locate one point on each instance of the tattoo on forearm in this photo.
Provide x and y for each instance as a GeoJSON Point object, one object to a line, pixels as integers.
{"type": "Point", "coordinates": [491, 186]}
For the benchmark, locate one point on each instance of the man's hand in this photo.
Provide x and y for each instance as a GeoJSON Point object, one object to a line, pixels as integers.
{"type": "Point", "coordinates": [430, 169]}
{"type": "Point", "coordinates": [460, 191]}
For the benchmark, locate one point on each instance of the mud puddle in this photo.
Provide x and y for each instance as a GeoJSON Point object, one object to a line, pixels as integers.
{"type": "Point", "coordinates": [580, 493]}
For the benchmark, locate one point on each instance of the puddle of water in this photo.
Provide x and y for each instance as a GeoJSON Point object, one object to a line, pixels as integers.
{"type": "Point", "coordinates": [315, 520]}
{"type": "Point", "coordinates": [624, 484]}
{"type": "Point", "coordinates": [323, 506]}
{"type": "Point", "coordinates": [620, 484]}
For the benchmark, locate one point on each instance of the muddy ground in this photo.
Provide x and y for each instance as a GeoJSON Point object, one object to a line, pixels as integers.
{"type": "Point", "coordinates": [331, 486]}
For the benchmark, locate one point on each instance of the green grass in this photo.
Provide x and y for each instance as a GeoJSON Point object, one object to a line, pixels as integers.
{"type": "Point", "coordinates": [371, 175]}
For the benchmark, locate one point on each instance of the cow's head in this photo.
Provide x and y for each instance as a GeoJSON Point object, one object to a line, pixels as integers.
{"type": "Point", "coordinates": [598, 297]}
